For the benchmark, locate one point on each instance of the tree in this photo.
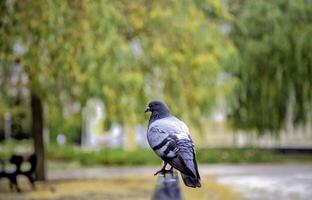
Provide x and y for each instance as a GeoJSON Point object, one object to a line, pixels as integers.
{"type": "Point", "coordinates": [61, 52]}
{"type": "Point", "coordinates": [125, 53]}
{"type": "Point", "coordinates": [274, 67]}
{"type": "Point", "coordinates": [182, 47]}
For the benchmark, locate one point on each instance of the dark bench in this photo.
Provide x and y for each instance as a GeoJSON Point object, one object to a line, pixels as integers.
{"type": "Point", "coordinates": [18, 160]}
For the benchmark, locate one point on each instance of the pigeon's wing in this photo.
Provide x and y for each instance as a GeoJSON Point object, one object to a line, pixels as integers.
{"type": "Point", "coordinates": [191, 179]}
{"type": "Point", "coordinates": [185, 160]}
{"type": "Point", "coordinates": [162, 142]}
{"type": "Point", "coordinates": [170, 139]}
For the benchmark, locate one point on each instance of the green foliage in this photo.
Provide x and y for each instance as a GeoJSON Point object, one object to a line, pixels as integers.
{"type": "Point", "coordinates": [181, 53]}
{"type": "Point", "coordinates": [273, 69]}
{"type": "Point", "coordinates": [15, 147]}
{"type": "Point", "coordinates": [127, 53]}
{"type": "Point", "coordinates": [76, 50]}
{"type": "Point", "coordinates": [71, 127]}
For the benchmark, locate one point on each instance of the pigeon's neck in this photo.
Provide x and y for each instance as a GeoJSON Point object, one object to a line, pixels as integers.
{"type": "Point", "coordinates": [158, 115]}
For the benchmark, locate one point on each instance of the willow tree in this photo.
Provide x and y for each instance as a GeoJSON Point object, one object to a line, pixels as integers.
{"type": "Point", "coordinates": [273, 67]}
{"type": "Point", "coordinates": [122, 52]}
{"type": "Point", "coordinates": [181, 50]}
{"type": "Point", "coordinates": [71, 50]}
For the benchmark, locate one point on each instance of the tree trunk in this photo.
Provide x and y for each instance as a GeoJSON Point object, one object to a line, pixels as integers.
{"type": "Point", "coordinates": [37, 131]}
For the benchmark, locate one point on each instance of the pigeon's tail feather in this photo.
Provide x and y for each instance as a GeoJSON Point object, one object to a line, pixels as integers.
{"type": "Point", "coordinates": [190, 178]}
{"type": "Point", "coordinates": [190, 181]}
{"type": "Point", "coordinates": [180, 165]}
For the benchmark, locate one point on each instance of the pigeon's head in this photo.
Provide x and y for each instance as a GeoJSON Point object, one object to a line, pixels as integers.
{"type": "Point", "coordinates": [158, 107]}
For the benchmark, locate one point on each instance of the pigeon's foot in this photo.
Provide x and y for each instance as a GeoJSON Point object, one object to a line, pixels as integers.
{"type": "Point", "coordinates": [161, 171]}
{"type": "Point", "coordinates": [164, 171]}
{"type": "Point", "coordinates": [171, 171]}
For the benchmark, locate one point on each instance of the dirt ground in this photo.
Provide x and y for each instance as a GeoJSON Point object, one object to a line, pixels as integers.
{"type": "Point", "coordinates": [125, 188]}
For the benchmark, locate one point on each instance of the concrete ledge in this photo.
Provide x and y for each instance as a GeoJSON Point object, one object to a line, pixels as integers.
{"type": "Point", "coordinates": [167, 188]}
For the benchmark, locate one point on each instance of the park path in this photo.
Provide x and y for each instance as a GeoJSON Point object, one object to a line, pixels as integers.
{"type": "Point", "coordinates": [220, 182]}
{"type": "Point", "coordinates": [266, 181]}
{"type": "Point", "coordinates": [252, 181]}
{"type": "Point", "coordinates": [212, 169]}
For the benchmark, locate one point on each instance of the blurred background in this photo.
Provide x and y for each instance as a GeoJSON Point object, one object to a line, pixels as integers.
{"type": "Point", "coordinates": [76, 76]}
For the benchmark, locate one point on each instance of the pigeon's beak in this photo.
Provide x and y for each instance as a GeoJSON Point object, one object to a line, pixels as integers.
{"type": "Point", "coordinates": [147, 110]}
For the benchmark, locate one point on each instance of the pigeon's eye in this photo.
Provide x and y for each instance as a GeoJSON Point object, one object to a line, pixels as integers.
{"type": "Point", "coordinates": [154, 105]}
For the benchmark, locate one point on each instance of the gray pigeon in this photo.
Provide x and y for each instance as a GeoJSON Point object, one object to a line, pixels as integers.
{"type": "Point", "coordinates": [170, 139]}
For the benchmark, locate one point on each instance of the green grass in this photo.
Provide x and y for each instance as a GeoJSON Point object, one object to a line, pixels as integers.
{"type": "Point", "coordinates": [102, 156]}
{"type": "Point", "coordinates": [233, 155]}
{"type": "Point", "coordinates": [148, 157]}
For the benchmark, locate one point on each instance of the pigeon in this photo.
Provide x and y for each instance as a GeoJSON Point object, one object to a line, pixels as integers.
{"type": "Point", "coordinates": [170, 139]}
